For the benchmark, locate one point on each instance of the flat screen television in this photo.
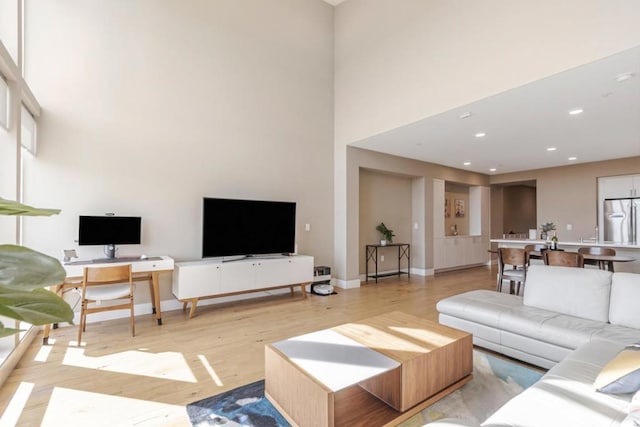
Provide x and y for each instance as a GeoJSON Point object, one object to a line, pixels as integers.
{"type": "Point", "coordinates": [109, 230]}
{"type": "Point", "coordinates": [247, 227]}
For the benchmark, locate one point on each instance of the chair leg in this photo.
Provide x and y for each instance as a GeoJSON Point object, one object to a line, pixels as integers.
{"type": "Point", "coordinates": [133, 319]}
{"type": "Point", "coordinates": [81, 325]}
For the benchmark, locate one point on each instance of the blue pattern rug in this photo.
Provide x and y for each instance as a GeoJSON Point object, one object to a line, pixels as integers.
{"type": "Point", "coordinates": [495, 381]}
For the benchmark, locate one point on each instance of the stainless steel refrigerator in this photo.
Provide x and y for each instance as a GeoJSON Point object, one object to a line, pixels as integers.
{"type": "Point", "coordinates": [622, 220]}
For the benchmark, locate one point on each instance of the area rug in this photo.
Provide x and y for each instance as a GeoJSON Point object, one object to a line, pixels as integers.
{"type": "Point", "coordinates": [495, 381]}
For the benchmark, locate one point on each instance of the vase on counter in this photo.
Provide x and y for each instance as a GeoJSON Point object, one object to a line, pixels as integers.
{"type": "Point", "coordinates": [383, 242]}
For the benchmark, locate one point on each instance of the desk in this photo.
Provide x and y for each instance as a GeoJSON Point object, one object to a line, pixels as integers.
{"type": "Point", "coordinates": [142, 269]}
{"type": "Point", "coordinates": [371, 253]}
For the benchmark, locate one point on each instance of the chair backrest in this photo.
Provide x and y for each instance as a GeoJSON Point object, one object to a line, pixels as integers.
{"type": "Point", "coordinates": [597, 250]}
{"type": "Point", "coordinates": [561, 258]}
{"type": "Point", "coordinates": [107, 275]}
{"type": "Point", "coordinates": [539, 247]}
{"type": "Point", "coordinates": [511, 256]}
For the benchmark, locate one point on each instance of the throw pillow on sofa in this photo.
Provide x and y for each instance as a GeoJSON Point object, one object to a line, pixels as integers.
{"type": "Point", "coordinates": [622, 374]}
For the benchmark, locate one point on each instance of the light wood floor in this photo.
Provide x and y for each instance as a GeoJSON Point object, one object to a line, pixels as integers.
{"type": "Point", "coordinates": [147, 380]}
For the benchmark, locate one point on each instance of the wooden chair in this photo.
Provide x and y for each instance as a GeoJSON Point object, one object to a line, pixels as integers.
{"type": "Point", "coordinates": [106, 284]}
{"type": "Point", "coordinates": [596, 250]}
{"type": "Point", "coordinates": [562, 258]}
{"type": "Point", "coordinates": [517, 259]}
{"type": "Point", "coordinates": [538, 247]}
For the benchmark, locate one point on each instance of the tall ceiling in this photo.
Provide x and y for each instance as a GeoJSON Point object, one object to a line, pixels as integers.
{"type": "Point", "coordinates": [522, 124]}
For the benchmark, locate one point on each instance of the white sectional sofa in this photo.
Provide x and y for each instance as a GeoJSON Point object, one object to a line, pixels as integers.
{"type": "Point", "coordinates": [571, 320]}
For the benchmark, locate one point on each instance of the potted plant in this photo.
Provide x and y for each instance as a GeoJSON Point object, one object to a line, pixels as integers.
{"type": "Point", "coordinates": [546, 228]}
{"type": "Point", "coordinates": [387, 235]}
{"type": "Point", "coordinates": [24, 273]}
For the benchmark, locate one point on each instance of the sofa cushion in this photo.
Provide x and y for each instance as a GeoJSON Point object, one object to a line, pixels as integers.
{"type": "Point", "coordinates": [574, 291]}
{"type": "Point", "coordinates": [633, 419]}
{"type": "Point", "coordinates": [484, 307]}
{"type": "Point", "coordinates": [622, 373]}
{"type": "Point", "coordinates": [624, 307]}
{"type": "Point", "coordinates": [618, 334]}
{"type": "Point", "coordinates": [565, 395]}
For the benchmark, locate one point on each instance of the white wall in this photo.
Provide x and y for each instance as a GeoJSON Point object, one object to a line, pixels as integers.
{"type": "Point", "coordinates": [148, 106]}
{"type": "Point", "coordinates": [399, 62]}
{"type": "Point", "coordinates": [569, 194]}
{"type": "Point", "coordinates": [384, 198]}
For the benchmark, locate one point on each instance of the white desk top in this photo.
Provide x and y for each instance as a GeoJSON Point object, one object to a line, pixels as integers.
{"type": "Point", "coordinates": [75, 267]}
{"type": "Point", "coordinates": [335, 360]}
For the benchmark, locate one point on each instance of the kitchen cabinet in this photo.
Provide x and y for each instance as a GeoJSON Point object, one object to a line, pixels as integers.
{"type": "Point", "coordinates": [611, 187]}
{"type": "Point", "coordinates": [460, 251]}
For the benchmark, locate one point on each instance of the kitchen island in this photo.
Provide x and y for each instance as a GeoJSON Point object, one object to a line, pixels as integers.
{"type": "Point", "coordinates": [622, 249]}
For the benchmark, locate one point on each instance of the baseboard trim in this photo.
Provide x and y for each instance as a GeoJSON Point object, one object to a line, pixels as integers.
{"type": "Point", "coordinates": [348, 284]}
{"type": "Point", "coordinates": [422, 271]}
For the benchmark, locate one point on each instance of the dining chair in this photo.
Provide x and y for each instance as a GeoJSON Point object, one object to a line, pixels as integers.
{"type": "Point", "coordinates": [100, 284]}
{"type": "Point", "coordinates": [597, 250]}
{"type": "Point", "coordinates": [517, 259]}
{"type": "Point", "coordinates": [537, 248]}
{"type": "Point", "coordinates": [562, 258]}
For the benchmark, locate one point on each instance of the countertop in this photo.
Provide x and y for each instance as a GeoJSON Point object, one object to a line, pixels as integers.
{"type": "Point", "coordinates": [590, 242]}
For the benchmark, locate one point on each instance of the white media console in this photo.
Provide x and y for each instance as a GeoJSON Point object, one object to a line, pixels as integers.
{"type": "Point", "coordinates": [213, 278]}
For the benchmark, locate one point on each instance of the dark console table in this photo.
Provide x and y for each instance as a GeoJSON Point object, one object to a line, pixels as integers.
{"type": "Point", "coordinates": [371, 254]}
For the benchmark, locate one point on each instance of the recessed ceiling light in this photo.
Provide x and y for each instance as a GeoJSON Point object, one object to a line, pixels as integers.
{"type": "Point", "coordinates": [467, 163]}
{"type": "Point", "coordinates": [576, 111]}
{"type": "Point", "coordinates": [572, 158]}
{"type": "Point", "coordinates": [624, 76]}
{"type": "Point", "coordinates": [480, 135]}
{"type": "Point", "coordinates": [551, 149]}
{"type": "Point", "coordinates": [492, 170]}
{"type": "Point", "coordinates": [465, 115]}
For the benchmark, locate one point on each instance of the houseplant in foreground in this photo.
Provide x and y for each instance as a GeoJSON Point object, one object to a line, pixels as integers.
{"type": "Point", "coordinates": [24, 273]}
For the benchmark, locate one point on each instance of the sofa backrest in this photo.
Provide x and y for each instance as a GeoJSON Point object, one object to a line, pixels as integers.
{"type": "Point", "coordinates": [580, 292]}
{"type": "Point", "coordinates": [624, 309]}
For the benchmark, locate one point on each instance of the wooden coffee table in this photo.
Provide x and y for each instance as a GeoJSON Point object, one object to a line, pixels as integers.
{"type": "Point", "coordinates": [376, 371]}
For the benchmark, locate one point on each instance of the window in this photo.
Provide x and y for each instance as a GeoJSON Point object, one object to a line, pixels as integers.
{"type": "Point", "coordinates": [4, 103]}
{"type": "Point", "coordinates": [28, 138]}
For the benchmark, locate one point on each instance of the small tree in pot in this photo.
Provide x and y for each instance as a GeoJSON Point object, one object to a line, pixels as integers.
{"type": "Point", "coordinates": [387, 235]}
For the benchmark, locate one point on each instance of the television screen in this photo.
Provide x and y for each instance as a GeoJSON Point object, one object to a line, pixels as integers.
{"type": "Point", "coordinates": [109, 230]}
{"type": "Point", "coordinates": [247, 227]}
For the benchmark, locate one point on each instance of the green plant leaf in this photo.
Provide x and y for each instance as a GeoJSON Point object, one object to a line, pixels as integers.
{"type": "Point", "coordinates": [5, 332]}
{"type": "Point", "coordinates": [25, 269]}
{"type": "Point", "coordinates": [9, 207]}
{"type": "Point", "coordinates": [38, 307]}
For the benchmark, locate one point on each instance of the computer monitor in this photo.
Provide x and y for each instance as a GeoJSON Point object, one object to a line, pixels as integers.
{"type": "Point", "coordinates": [109, 231]}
